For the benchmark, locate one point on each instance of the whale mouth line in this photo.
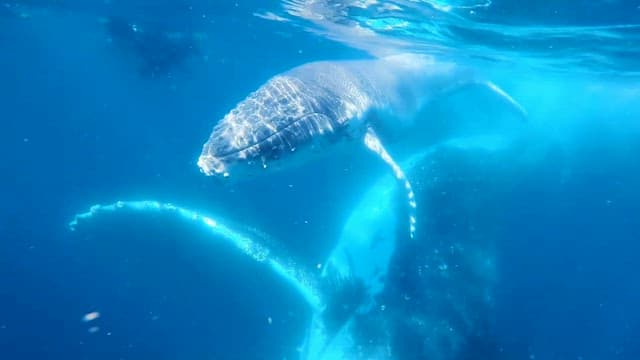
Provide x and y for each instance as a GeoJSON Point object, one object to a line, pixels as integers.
{"type": "Point", "coordinates": [217, 164]}
{"type": "Point", "coordinates": [225, 155]}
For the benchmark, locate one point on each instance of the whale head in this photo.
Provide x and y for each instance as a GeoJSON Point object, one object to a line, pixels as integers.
{"type": "Point", "coordinates": [271, 128]}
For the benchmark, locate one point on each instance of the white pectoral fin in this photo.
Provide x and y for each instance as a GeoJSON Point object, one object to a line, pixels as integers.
{"type": "Point", "coordinates": [506, 97]}
{"type": "Point", "coordinates": [373, 143]}
{"type": "Point", "coordinates": [494, 90]}
{"type": "Point", "coordinates": [220, 233]}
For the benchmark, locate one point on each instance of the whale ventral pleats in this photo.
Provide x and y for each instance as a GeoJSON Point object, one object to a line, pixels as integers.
{"type": "Point", "coordinates": [283, 116]}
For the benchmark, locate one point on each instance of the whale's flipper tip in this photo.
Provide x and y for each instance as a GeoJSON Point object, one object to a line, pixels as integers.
{"type": "Point", "coordinates": [522, 112]}
{"type": "Point", "coordinates": [373, 143]}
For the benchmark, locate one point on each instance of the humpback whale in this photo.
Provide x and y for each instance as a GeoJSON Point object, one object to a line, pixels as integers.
{"type": "Point", "coordinates": [353, 275]}
{"type": "Point", "coordinates": [310, 109]}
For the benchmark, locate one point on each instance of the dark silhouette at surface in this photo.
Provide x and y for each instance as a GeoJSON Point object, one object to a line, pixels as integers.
{"type": "Point", "coordinates": [7, 11]}
{"type": "Point", "coordinates": [158, 52]}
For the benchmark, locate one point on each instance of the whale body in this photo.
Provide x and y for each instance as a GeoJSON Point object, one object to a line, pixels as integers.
{"type": "Point", "coordinates": [345, 293]}
{"type": "Point", "coordinates": [325, 102]}
{"type": "Point", "coordinates": [311, 109]}
{"type": "Point", "coordinates": [316, 104]}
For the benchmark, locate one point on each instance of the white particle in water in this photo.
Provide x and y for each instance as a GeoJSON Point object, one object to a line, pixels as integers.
{"type": "Point", "coordinates": [90, 316]}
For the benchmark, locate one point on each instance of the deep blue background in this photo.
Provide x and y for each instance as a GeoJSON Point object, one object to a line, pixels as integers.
{"type": "Point", "coordinates": [80, 124]}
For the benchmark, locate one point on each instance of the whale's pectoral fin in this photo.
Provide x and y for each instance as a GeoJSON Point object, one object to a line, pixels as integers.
{"type": "Point", "coordinates": [222, 234]}
{"type": "Point", "coordinates": [494, 90]}
{"type": "Point", "coordinates": [506, 97]}
{"type": "Point", "coordinates": [373, 143]}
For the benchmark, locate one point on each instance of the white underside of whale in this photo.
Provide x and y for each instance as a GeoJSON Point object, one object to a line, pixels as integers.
{"type": "Point", "coordinates": [363, 252]}
{"type": "Point", "coordinates": [370, 234]}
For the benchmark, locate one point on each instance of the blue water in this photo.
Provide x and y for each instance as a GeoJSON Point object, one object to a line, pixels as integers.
{"type": "Point", "coordinates": [526, 251]}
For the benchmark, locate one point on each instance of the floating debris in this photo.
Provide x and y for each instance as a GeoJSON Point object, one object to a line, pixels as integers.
{"type": "Point", "coordinates": [90, 316]}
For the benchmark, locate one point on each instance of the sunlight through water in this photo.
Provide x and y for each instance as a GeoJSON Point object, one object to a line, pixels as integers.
{"type": "Point", "coordinates": [559, 36]}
